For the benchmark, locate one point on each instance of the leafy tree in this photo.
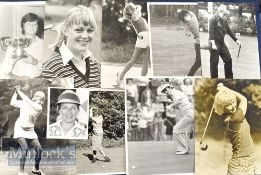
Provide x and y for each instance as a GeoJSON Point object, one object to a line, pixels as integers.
{"type": "Point", "coordinates": [205, 91]}
{"type": "Point", "coordinates": [111, 104]}
{"type": "Point", "coordinates": [115, 29]}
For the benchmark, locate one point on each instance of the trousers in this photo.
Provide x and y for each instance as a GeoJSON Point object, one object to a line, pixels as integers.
{"type": "Point", "coordinates": [224, 53]}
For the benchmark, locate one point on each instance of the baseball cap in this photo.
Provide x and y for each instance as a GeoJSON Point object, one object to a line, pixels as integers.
{"type": "Point", "coordinates": [68, 96]}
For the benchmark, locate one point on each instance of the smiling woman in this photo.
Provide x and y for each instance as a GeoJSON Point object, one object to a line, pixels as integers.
{"type": "Point", "coordinates": [27, 63]}
{"type": "Point", "coordinates": [71, 56]}
{"type": "Point", "coordinates": [67, 125]}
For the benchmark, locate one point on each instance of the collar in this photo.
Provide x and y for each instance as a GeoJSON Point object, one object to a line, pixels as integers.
{"type": "Point", "coordinates": [67, 54]}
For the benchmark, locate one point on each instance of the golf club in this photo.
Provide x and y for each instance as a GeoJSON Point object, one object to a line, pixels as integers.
{"type": "Point", "coordinates": [203, 144]}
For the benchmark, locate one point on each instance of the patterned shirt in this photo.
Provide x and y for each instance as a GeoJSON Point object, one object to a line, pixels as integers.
{"type": "Point", "coordinates": [55, 68]}
{"type": "Point", "coordinates": [77, 131]}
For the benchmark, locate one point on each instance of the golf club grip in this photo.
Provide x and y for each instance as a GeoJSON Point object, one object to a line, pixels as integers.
{"type": "Point", "coordinates": [208, 121]}
{"type": "Point", "coordinates": [239, 48]}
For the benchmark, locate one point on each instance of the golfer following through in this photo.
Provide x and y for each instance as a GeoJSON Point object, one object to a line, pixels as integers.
{"type": "Point", "coordinates": [232, 106]}
{"type": "Point", "coordinates": [97, 121]}
{"type": "Point", "coordinates": [181, 102]}
{"type": "Point", "coordinates": [132, 13]}
{"type": "Point", "coordinates": [30, 110]}
{"type": "Point", "coordinates": [190, 23]}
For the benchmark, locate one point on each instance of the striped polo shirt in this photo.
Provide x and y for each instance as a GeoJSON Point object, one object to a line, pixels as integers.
{"type": "Point", "coordinates": [54, 68]}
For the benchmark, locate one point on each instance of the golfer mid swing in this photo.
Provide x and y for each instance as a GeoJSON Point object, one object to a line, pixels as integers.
{"type": "Point", "coordinates": [132, 13]}
{"type": "Point", "coordinates": [232, 106]}
{"type": "Point", "coordinates": [180, 101]}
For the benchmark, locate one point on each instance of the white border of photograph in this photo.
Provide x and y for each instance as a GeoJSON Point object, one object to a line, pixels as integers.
{"type": "Point", "coordinates": [21, 2]}
{"type": "Point", "coordinates": [125, 136]}
{"type": "Point", "coordinates": [86, 97]}
{"type": "Point", "coordinates": [126, 121]}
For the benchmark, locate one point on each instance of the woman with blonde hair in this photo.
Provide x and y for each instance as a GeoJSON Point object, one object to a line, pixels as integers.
{"type": "Point", "coordinates": [71, 56]}
{"type": "Point", "coordinates": [232, 106]}
{"type": "Point", "coordinates": [30, 110]}
{"type": "Point", "coordinates": [132, 13]}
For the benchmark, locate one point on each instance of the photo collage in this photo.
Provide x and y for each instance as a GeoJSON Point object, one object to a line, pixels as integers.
{"type": "Point", "coordinates": [135, 87]}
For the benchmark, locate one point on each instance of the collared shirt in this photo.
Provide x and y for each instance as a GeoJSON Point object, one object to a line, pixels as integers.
{"type": "Point", "coordinates": [28, 115]}
{"type": "Point", "coordinates": [61, 65]}
{"type": "Point", "coordinates": [218, 28]}
{"type": "Point", "coordinates": [180, 99]}
{"type": "Point", "coordinates": [67, 55]}
{"type": "Point", "coordinates": [77, 131]}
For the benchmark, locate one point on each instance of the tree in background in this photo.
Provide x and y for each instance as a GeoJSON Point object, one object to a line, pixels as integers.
{"type": "Point", "coordinates": [205, 91]}
{"type": "Point", "coordinates": [111, 104]}
{"type": "Point", "coordinates": [114, 28]}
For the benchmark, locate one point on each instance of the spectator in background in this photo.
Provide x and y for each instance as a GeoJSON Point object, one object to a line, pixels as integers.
{"type": "Point", "coordinates": [147, 96]}
{"type": "Point", "coordinates": [148, 115]}
{"type": "Point", "coordinates": [132, 92]}
{"type": "Point", "coordinates": [134, 121]}
{"type": "Point", "coordinates": [169, 122]}
{"type": "Point", "coordinates": [143, 124]}
{"type": "Point", "coordinates": [158, 108]}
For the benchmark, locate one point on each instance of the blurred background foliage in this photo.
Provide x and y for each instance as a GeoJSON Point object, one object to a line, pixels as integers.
{"type": "Point", "coordinates": [118, 35]}
{"type": "Point", "coordinates": [112, 106]}
{"type": "Point", "coordinates": [9, 114]}
{"type": "Point", "coordinates": [205, 91]}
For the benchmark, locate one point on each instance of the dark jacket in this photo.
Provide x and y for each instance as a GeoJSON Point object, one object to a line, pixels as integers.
{"type": "Point", "coordinates": [218, 28]}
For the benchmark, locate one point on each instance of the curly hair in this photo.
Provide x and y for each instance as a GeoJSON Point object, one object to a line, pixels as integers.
{"type": "Point", "coordinates": [182, 14]}
{"type": "Point", "coordinates": [129, 9]}
{"type": "Point", "coordinates": [222, 99]}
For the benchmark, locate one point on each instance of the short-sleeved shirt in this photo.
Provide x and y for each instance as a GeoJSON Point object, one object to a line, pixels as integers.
{"type": "Point", "coordinates": [77, 131]}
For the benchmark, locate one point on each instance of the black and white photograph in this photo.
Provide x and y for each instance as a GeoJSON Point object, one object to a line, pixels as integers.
{"type": "Point", "coordinates": [23, 119]}
{"type": "Point", "coordinates": [160, 125]}
{"type": "Point", "coordinates": [104, 151]}
{"type": "Point", "coordinates": [72, 46]}
{"type": "Point", "coordinates": [228, 34]}
{"type": "Point", "coordinates": [68, 113]}
{"type": "Point", "coordinates": [51, 157]}
{"type": "Point", "coordinates": [125, 42]}
{"type": "Point", "coordinates": [175, 40]}
{"type": "Point", "coordinates": [227, 114]}
{"type": "Point", "coordinates": [21, 41]}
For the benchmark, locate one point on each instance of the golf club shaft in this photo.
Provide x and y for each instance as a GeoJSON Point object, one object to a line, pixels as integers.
{"type": "Point", "coordinates": [208, 121]}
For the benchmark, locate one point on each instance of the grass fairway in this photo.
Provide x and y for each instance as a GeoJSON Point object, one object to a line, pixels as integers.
{"type": "Point", "coordinates": [47, 169]}
{"type": "Point", "coordinates": [84, 165]}
{"type": "Point", "coordinates": [244, 67]}
{"type": "Point", "coordinates": [172, 52]}
{"type": "Point", "coordinates": [158, 158]}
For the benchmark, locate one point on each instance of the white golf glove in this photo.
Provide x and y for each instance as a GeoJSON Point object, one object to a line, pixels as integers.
{"type": "Point", "coordinates": [213, 44]}
{"type": "Point", "coordinates": [168, 107]}
{"type": "Point", "coordinates": [239, 43]}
